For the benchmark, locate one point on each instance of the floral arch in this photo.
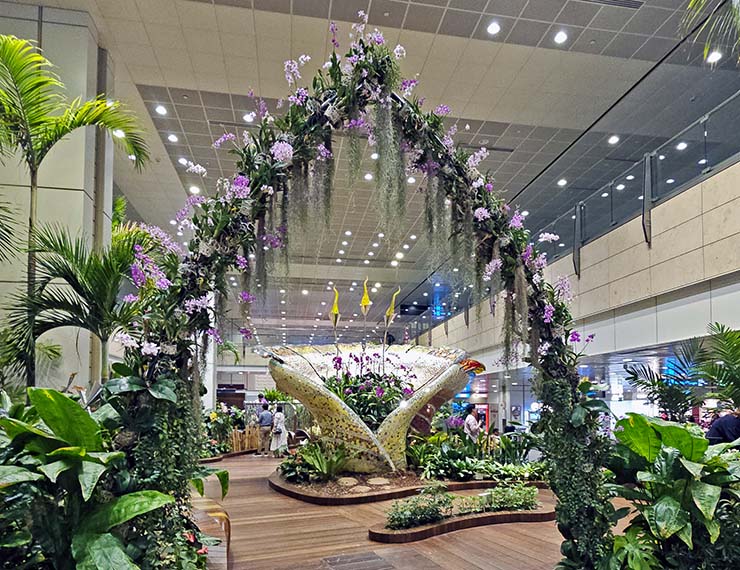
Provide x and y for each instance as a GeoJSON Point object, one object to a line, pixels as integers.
{"type": "Point", "coordinates": [286, 167]}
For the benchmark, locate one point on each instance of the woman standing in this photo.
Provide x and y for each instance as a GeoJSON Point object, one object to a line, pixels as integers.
{"type": "Point", "coordinates": [472, 425]}
{"type": "Point", "coordinates": [279, 435]}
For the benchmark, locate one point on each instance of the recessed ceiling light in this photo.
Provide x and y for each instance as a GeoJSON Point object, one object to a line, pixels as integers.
{"type": "Point", "coordinates": [604, 194]}
{"type": "Point", "coordinates": [455, 269]}
{"type": "Point", "coordinates": [341, 252]}
{"type": "Point", "coordinates": [525, 213]}
{"type": "Point", "coordinates": [381, 235]}
{"type": "Point", "coordinates": [185, 243]}
{"type": "Point", "coordinates": [194, 190]}
{"type": "Point", "coordinates": [378, 285]}
{"type": "Point", "coordinates": [161, 110]}
{"type": "Point", "coordinates": [399, 255]}
{"type": "Point", "coordinates": [661, 157]}
{"type": "Point", "coordinates": [619, 186]}
{"type": "Point", "coordinates": [375, 244]}
{"type": "Point", "coordinates": [425, 294]}
{"type": "Point", "coordinates": [411, 180]}
{"type": "Point", "coordinates": [354, 283]}
{"type": "Point", "coordinates": [173, 223]}
{"type": "Point", "coordinates": [573, 217]}
{"type": "Point", "coordinates": [614, 139]}
{"type": "Point", "coordinates": [681, 146]}
{"type": "Point", "coordinates": [630, 177]}
{"type": "Point", "coordinates": [412, 236]}
{"type": "Point", "coordinates": [319, 313]}
{"type": "Point", "coordinates": [323, 303]}
{"type": "Point", "coordinates": [493, 28]}
{"type": "Point", "coordinates": [394, 263]}
{"type": "Point", "coordinates": [562, 182]}
{"type": "Point", "coordinates": [374, 289]}
{"type": "Point", "coordinates": [348, 233]}
{"type": "Point", "coordinates": [639, 197]}
{"type": "Point", "coordinates": [304, 292]}
{"type": "Point", "coordinates": [406, 246]}
{"type": "Point", "coordinates": [703, 161]}
{"type": "Point", "coordinates": [416, 302]}
{"type": "Point", "coordinates": [561, 245]}
{"type": "Point", "coordinates": [248, 117]}
{"type": "Point", "coordinates": [437, 284]}
{"type": "Point", "coordinates": [182, 160]}
{"type": "Point", "coordinates": [366, 262]}
{"type": "Point", "coordinates": [339, 260]}
{"type": "Point", "coordinates": [714, 57]}
{"type": "Point", "coordinates": [561, 37]}
{"type": "Point", "coordinates": [368, 176]}
{"type": "Point", "coordinates": [370, 253]}
{"type": "Point", "coordinates": [119, 134]}
{"type": "Point", "coordinates": [374, 156]}
{"type": "Point", "coordinates": [282, 291]}
{"type": "Point", "coordinates": [132, 157]}
{"type": "Point", "coordinates": [172, 138]}
{"type": "Point", "coordinates": [670, 181]}
{"type": "Point", "coordinates": [330, 283]}
{"type": "Point", "coordinates": [345, 243]}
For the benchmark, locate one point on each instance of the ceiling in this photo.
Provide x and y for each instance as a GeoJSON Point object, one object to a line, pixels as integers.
{"type": "Point", "coordinates": [517, 91]}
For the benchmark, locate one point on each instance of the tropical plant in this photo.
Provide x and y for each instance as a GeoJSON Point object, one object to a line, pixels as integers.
{"type": "Point", "coordinates": [77, 287]}
{"type": "Point", "coordinates": [35, 115]}
{"type": "Point", "coordinates": [228, 347]}
{"type": "Point", "coordinates": [675, 480]}
{"type": "Point", "coordinates": [326, 460]}
{"type": "Point", "coordinates": [720, 364]}
{"type": "Point", "coordinates": [57, 458]}
{"type": "Point", "coordinates": [674, 390]}
{"type": "Point", "coordinates": [275, 395]}
{"type": "Point", "coordinates": [7, 224]}
{"type": "Point", "coordinates": [514, 448]}
{"type": "Point", "coordinates": [12, 374]}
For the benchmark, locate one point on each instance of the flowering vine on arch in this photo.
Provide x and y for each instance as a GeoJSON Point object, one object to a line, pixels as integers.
{"type": "Point", "coordinates": [286, 168]}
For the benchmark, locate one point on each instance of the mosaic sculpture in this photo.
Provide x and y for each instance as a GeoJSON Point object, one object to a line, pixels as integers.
{"type": "Point", "coordinates": [299, 371]}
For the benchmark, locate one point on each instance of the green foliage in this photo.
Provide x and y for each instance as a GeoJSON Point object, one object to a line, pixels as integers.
{"type": "Point", "coordinates": [676, 481]}
{"type": "Point", "coordinates": [514, 448]}
{"type": "Point", "coordinates": [275, 395]}
{"type": "Point", "coordinates": [672, 391]}
{"type": "Point", "coordinates": [425, 509]}
{"type": "Point", "coordinates": [720, 363]}
{"type": "Point", "coordinates": [62, 485]}
{"type": "Point", "coordinates": [222, 475]}
{"type": "Point", "coordinates": [295, 469]}
{"type": "Point", "coordinates": [326, 461]}
{"type": "Point", "coordinates": [508, 497]}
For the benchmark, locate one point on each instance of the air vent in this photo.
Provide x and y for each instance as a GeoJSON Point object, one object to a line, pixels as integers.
{"type": "Point", "coordinates": [633, 4]}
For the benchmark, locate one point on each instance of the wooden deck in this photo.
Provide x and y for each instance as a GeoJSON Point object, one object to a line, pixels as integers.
{"type": "Point", "coordinates": [272, 531]}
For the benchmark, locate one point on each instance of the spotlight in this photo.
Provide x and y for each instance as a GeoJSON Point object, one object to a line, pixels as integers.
{"type": "Point", "coordinates": [614, 139]}
{"type": "Point", "coordinates": [493, 28]}
{"type": "Point", "coordinates": [561, 37]}
{"type": "Point", "coordinates": [160, 109]}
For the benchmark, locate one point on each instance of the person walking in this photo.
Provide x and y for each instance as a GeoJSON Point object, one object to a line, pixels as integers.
{"type": "Point", "coordinates": [264, 420]}
{"type": "Point", "coordinates": [472, 424]}
{"type": "Point", "coordinates": [279, 442]}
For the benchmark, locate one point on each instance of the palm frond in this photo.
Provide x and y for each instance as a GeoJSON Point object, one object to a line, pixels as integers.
{"type": "Point", "coordinates": [29, 94]}
{"type": "Point", "coordinates": [717, 22]}
{"type": "Point", "coordinates": [112, 116]}
{"type": "Point", "coordinates": [721, 363]}
{"type": "Point", "coordinates": [7, 241]}
{"type": "Point", "coordinates": [118, 215]}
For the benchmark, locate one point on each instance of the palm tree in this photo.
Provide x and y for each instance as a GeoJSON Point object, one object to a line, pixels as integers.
{"type": "Point", "coordinates": [77, 287]}
{"type": "Point", "coordinates": [673, 391]}
{"type": "Point", "coordinates": [720, 365]}
{"type": "Point", "coordinates": [35, 115]}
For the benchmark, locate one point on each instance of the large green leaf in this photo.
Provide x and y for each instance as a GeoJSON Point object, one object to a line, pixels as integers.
{"type": "Point", "coordinates": [108, 416]}
{"type": "Point", "coordinates": [666, 517]}
{"type": "Point", "coordinates": [705, 497]}
{"type": "Point", "coordinates": [164, 390]}
{"type": "Point", "coordinates": [66, 418]}
{"type": "Point", "coordinates": [123, 509]}
{"type": "Point", "coordinates": [15, 427]}
{"type": "Point", "coordinates": [12, 474]}
{"type": "Point", "coordinates": [88, 475]}
{"type": "Point", "coordinates": [694, 468]}
{"type": "Point", "coordinates": [101, 552]}
{"type": "Point", "coordinates": [223, 477]}
{"type": "Point", "coordinates": [691, 446]}
{"type": "Point", "coordinates": [106, 457]}
{"type": "Point", "coordinates": [77, 452]}
{"type": "Point", "coordinates": [52, 470]}
{"type": "Point", "coordinates": [636, 433]}
{"type": "Point", "coordinates": [125, 384]}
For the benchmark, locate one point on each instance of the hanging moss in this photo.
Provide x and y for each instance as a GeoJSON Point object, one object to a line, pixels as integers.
{"type": "Point", "coordinates": [390, 171]}
{"type": "Point", "coordinates": [354, 148]}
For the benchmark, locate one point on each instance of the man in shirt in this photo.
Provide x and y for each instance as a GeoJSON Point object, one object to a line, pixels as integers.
{"type": "Point", "coordinates": [264, 420]}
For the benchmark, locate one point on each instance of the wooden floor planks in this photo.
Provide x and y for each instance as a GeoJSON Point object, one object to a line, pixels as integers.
{"type": "Point", "coordinates": [270, 531]}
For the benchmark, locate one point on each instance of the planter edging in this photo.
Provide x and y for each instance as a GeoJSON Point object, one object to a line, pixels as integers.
{"type": "Point", "coordinates": [277, 483]}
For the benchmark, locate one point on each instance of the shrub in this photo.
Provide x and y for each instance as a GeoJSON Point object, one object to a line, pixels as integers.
{"type": "Point", "coordinates": [315, 460]}
{"type": "Point", "coordinates": [427, 508]}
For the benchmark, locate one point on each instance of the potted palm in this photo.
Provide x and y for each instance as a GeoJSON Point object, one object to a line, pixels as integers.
{"type": "Point", "coordinates": [35, 115]}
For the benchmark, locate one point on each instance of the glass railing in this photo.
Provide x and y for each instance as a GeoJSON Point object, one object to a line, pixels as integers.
{"type": "Point", "coordinates": [704, 147]}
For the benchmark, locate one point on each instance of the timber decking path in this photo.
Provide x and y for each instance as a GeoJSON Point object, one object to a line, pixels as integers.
{"type": "Point", "coordinates": [270, 531]}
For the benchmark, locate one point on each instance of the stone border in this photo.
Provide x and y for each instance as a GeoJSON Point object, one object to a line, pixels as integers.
{"type": "Point", "coordinates": [379, 533]}
{"type": "Point", "coordinates": [280, 485]}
